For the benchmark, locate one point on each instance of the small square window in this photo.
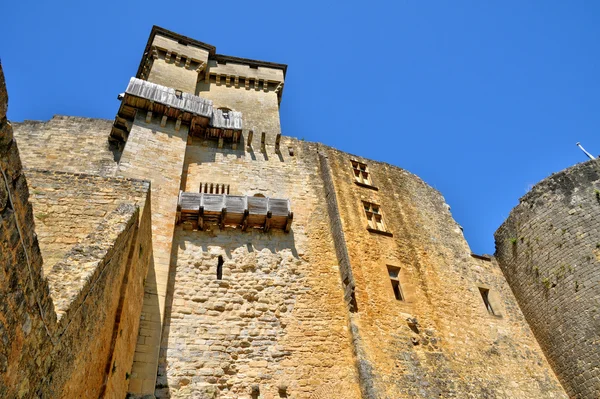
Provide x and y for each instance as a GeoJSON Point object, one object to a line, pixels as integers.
{"type": "Point", "coordinates": [394, 273]}
{"type": "Point", "coordinates": [374, 217]}
{"type": "Point", "coordinates": [362, 176]}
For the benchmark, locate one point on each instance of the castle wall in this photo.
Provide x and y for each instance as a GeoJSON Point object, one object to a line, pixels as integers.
{"type": "Point", "coordinates": [440, 341]}
{"type": "Point", "coordinates": [26, 308]}
{"type": "Point", "coordinates": [155, 153]}
{"type": "Point", "coordinates": [549, 249]}
{"type": "Point", "coordinates": [67, 143]}
{"type": "Point", "coordinates": [173, 74]}
{"type": "Point", "coordinates": [277, 318]}
{"type": "Point", "coordinates": [260, 109]}
{"type": "Point", "coordinates": [58, 334]}
{"type": "Point", "coordinates": [68, 207]}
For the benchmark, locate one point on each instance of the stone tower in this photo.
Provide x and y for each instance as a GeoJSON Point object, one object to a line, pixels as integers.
{"type": "Point", "coordinates": [549, 248]}
{"type": "Point", "coordinates": [270, 267]}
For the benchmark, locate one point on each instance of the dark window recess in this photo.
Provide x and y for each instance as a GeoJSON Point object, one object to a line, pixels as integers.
{"type": "Point", "coordinates": [220, 268]}
{"type": "Point", "coordinates": [486, 300]}
{"type": "Point", "coordinates": [394, 273]}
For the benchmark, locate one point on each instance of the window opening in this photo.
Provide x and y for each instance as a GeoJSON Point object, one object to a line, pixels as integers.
{"type": "Point", "coordinates": [374, 216]}
{"type": "Point", "coordinates": [486, 299]}
{"type": "Point", "coordinates": [394, 273]}
{"type": "Point", "coordinates": [361, 173]}
{"type": "Point", "coordinates": [220, 268]}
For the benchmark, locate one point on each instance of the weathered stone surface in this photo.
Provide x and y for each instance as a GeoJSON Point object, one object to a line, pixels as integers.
{"type": "Point", "coordinates": [68, 144]}
{"type": "Point", "coordinates": [41, 357]}
{"type": "Point", "coordinates": [68, 207]}
{"type": "Point", "coordinates": [225, 313]}
{"type": "Point", "coordinates": [549, 249]}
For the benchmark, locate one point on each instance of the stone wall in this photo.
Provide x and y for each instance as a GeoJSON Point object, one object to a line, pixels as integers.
{"type": "Point", "coordinates": [276, 323]}
{"type": "Point", "coordinates": [173, 74]}
{"type": "Point", "coordinates": [69, 144]}
{"type": "Point", "coordinates": [155, 153]}
{"type": "Point", "coordinates": [27, 318]}
{"type": "Point", "coordinates": [440, 340]}
{"type": "Point", "coordinates": [260, 110]}
{"type": "Point", "coordinates": [549, 250]}
{"type": "Point", "coordinates": [67, 207]}
{"type": "Point", "coordinates": [60, 335]}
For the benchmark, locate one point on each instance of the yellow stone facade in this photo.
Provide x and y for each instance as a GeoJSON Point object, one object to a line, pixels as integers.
{"type": "Point", "coordinates": [372, 293]}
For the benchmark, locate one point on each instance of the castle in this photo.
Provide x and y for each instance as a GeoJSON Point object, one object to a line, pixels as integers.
{"type": "Point", "coordinates": [189, 250]}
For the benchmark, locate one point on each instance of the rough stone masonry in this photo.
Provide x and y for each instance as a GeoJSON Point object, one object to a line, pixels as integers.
{"type": "Point", "coordinates": [171, 269]}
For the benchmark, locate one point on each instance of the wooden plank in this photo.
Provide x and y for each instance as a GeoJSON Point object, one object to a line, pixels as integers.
{"type": "Point", "coordinates": [235, 203]}
{"type": "Point", "coordinates": [279, 207]}
{"type": "Point", "coordinates": [257, 205]}
{"type": "Point", "coordinates": [213, 202]}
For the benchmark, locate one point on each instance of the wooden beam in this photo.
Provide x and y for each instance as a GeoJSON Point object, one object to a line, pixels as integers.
{"type": "Point", "coordinates": [245, 220]}
{"type": "Point", "coordinates": [288, 224]}
{"type": "Point", "coordinates": [263, 138]}
{"type": "Point", "coordinates": [250, 134]}
{"type": "Point", "coordinates": [267, 226]}
{"type": "Point", "coordinates": [222, 221]}
{"type": "Point", "coordinates": [201, 218]}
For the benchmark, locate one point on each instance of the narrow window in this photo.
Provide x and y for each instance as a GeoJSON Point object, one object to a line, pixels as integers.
{"type": "Point", "coordinates": [374, 216]}
{"type": "Point", "coordinates": [361, 173]}
{"type": "Point", "coordinates": [486, 300]}
{"type": "Point", "coordinates": [394, 273]}
{"type": "Point", "coordinates": [220, 268]}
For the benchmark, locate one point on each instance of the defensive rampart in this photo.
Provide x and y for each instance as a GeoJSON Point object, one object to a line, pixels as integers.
{"type": "Point", "coordinates": [549, 251]}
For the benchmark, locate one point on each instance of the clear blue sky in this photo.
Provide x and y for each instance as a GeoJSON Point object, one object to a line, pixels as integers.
{"type": "Point", "coordinates": [480, 99]}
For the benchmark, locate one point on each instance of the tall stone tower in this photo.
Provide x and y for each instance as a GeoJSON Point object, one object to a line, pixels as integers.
{"type": "Point", "coordinates": [549, 249]}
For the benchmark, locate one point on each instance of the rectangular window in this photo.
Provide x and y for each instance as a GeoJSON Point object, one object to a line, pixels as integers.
{"type": "Point", "coordinates": [394, 273]}
{"type": "Point", "coordinates": [486, 299]}
{"type": "Point", "coordinates": [374, 216]}
{"type": "Point", "coordinates": [361, 173]}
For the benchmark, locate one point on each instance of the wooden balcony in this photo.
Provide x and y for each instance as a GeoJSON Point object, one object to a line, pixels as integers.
{"type": "Point", "coordinates": [238, 211]}
{"type": "Point", "coordinates": [167, 103]}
